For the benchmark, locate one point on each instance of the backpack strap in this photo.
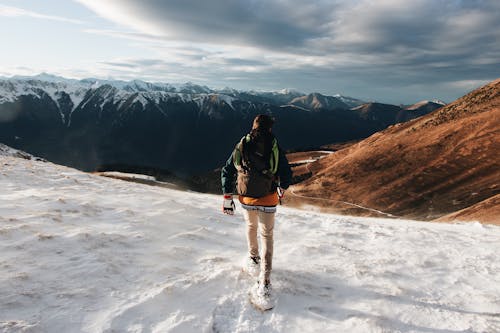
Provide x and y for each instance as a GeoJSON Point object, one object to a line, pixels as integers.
{"type": "Point", "coordinates": [238, 152]}
{"type": "Point", "coordinates": [274, 159]}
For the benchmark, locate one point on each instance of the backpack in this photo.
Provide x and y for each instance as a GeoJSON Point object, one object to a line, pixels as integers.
{"type": "Point", "coordinates": [256, 160]}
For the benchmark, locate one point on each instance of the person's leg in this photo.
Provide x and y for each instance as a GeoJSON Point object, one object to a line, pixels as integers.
{"type": "Point", "coordinates": [266, 221]}
{"type": "Point", "coordinates": [252, 218]}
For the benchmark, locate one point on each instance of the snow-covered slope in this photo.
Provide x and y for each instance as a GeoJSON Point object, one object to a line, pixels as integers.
{"type": "Point", "coordinates": [8, 151]}
{"type": "Point", "coordinates": [11, 152]}
{"type": "Point", "coordinates": [82, 253]}
{"type": "Point", "coordinates": [10, 90]}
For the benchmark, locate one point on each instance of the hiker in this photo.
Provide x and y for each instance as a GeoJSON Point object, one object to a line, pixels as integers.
{"type": "Point", "coordinates": [261, 171]}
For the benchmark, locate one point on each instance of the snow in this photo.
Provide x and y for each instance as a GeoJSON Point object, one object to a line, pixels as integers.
{"type": "Point", "coordinates": [12, 89]}
{"type": "Point", "coordinates": [7, 151]}
{"type": "Point", "coordinates": [417, 105]}
{"type": "Point", "coordinates": [424, 102]}
{"type": "Point", "coordinates": [350, 101]}
{"type": "Point", "coordinates": [46, 77]}
{"type": "Point", "coordinates": [83, 253]}
{"type": "Point", "coordinates": [11, 152]}
{"type": "Point", "coordinates": [438, 101]}
{"type": "Point", "coordinates": [289, 91]}
{"type": "Point", "coordinates": [226, 99]}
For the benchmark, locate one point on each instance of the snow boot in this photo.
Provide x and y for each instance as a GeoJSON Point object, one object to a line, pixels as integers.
{"type": "Point", "coordinates": [260, 296]}
{"type": "Point", "coordinates": [263, 289]}
{"type": "Point", "coordinates": [252, 266]}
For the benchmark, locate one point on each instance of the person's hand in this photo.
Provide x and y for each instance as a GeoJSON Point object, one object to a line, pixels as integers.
{"type": "Point", "coordinates": [228, 206]}
{"type": "Point", "coordinates": [281, 194]}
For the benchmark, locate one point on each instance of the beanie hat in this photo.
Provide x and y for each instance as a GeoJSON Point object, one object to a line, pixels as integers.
{"type": "Point", "coordinates": [263, 123]}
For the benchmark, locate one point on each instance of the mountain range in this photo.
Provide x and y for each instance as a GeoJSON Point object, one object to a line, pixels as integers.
{"type": "Point", "coordinates": [187, 128]}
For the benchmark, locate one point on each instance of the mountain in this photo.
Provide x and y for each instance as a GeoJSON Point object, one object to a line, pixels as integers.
{"type": "Point", "coordinates": [349, 101]}
{"type": "Point", "coordinates": [426, 105]}
{"type": "Point", "coordinates": [316, 101]}
{"type": "Point", "coordinates": [386, 114]}
{"type": "Point", "coordinates": [46, 77]}
{"type": "Point", "coordinates": [419, 109]}
{"type": "Point", "coordinates": [382, 114]}
{"type": "Point", "coordinates": [434, 165]}
{"type": "Point", "coordinates": [279, 97]}
{"type": "Point", "coordinates": [83, 253]}
{"type": "Point", "coordinates": [186, 128]}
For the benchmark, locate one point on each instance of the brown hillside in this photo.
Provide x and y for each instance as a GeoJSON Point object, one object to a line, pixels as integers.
{"type": "Point", "coordinates": [426, 168]}
{"type": "Point", "coordinates": [486, 211]}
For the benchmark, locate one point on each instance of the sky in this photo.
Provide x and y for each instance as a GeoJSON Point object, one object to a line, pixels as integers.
{"type": "Point", "coordinates": [393, 51]}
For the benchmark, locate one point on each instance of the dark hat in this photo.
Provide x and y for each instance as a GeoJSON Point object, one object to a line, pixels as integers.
{"type": "Point", "coordinates": [263, 122]}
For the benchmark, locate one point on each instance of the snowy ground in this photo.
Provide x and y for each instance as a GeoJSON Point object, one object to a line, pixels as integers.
{"type": "Point", "coordinates": [83, 253]}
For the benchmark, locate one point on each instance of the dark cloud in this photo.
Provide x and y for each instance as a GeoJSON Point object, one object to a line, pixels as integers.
{"type": "Point", "coordinates": [244, 62]}
{"type": "Point", "coordinates": [334, 45]}
{"type": "Point", "coordinates": [272, 24]}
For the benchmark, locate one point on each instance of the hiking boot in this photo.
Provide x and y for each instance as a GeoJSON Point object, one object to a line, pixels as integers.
{"type": "Point", "coordinates": [252, 265]}
{"type": "Point", "coordinates": [263, 289]}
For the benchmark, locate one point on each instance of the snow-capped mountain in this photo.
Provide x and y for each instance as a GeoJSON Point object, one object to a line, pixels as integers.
{"type": "Point", "coordinates": [46, 77]}
{"type": "Point", "coordinates": [283, 96]}
{"type": "Point", "coordinates": [350, 101]}
{"type": "Point", "coordinates": [28, 84]}
{"type": "Point", "coordinates": [83, 253]}
{"type": "Point", "coordinates": [425, 103]}
{"type": "Point", "coordinates": [11, 90]}
{"type": "Point", "coordinates": [425, 106]}
{"type": "Point", "coordinates": [57, 87]}
{"type": "Point", "coordinates": [89, 123]}
{"type": "Point", "coordinates": [317, 101]}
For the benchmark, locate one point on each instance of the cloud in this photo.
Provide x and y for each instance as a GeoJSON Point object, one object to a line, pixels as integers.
{"type": "Point", "coordinates": [355, 43]}
{"type": "Point", "coordinates": [269, 24]}
{"type": "Point", "coordinates": [19, 12]}
{"type": "Point", "coordinates": [389, 29]}
{"type": "Point", "coordinates": [131, 35]}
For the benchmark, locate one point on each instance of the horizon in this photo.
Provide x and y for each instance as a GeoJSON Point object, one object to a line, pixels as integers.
{"type": "Point", "coordinates": [391, 51]}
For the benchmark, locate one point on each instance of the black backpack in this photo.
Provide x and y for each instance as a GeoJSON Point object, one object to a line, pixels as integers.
{"type": "Point", "coordinates": [256, 159]}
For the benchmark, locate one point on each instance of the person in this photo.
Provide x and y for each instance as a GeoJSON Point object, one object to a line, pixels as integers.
{"type": "Point", "coordinates": [260, 170]}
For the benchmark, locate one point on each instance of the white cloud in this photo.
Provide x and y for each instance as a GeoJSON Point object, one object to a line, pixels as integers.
{"type": "Point", "coordinates": [9, 11]}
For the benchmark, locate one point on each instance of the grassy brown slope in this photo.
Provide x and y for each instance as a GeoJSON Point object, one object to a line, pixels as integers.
{"type": "Point", "coordinates": [487, 211]}
{"type": "Point", "coordinates": [426, 168]}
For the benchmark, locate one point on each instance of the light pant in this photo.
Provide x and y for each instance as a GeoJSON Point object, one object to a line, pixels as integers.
{"type": "Point", "coordinates": [264, 221]}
